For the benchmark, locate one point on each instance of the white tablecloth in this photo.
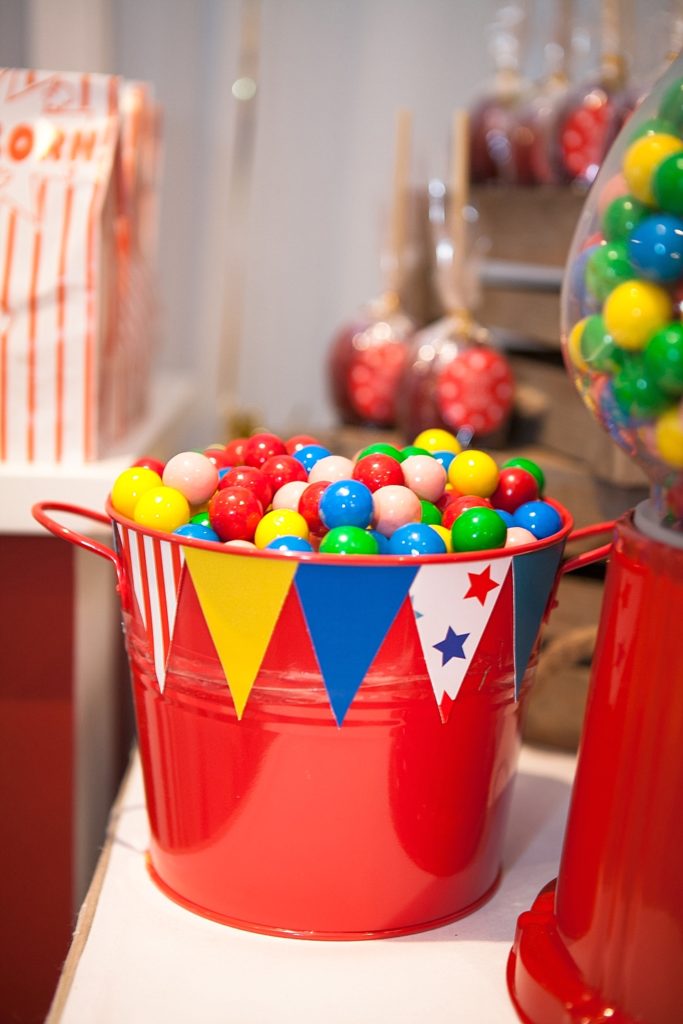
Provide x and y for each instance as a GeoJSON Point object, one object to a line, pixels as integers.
{"type": "Point", "coordinates": [145, 959]}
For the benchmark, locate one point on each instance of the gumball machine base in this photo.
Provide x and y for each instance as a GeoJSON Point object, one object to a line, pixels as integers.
{"type": "Point", "coordinates": [604, 941]}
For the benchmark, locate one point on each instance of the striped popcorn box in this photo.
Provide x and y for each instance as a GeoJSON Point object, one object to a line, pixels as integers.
{"type": "Point", "coordinates": [76, 306]}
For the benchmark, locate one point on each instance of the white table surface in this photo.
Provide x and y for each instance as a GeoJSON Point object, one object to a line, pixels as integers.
{"type": "Point", "coordinates": [139, 958]}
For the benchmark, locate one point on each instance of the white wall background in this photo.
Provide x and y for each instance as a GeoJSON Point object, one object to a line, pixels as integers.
{"type": "Point", "coordinates": [257, 272]}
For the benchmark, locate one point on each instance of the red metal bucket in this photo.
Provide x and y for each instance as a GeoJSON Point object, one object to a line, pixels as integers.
{"type": "Point", "coordinates": [282, 821]}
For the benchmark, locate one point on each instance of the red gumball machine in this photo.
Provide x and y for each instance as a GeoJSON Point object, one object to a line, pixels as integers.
{"type": "Point", "coordinates": [604, 941]}
{"type": "Point", "coordinates": [455, 378]}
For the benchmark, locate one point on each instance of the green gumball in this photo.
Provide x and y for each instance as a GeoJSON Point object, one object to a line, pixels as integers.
{"type": "Point", "coordinates": [478, 529]}
{"type": "Point", "coordinates": [663, 358]}
{"type": "Point", "coordinates": [607, 267]}
{"type": "Point", "coordinates": [667, 184]}
{"type": "Point", "coordinates": [598, 348]}
{"type": "Point", "coordinates": [636, 391]}
{"type": "Point", "coordinates": [622, 217]}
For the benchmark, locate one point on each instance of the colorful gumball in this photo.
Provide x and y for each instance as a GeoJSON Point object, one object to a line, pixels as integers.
{"type": "Point", "coordinates": [331, 469]}
{"type": "Point", "coordinates": [663, 358]}
{"type": "Point", "coordinates": [260, 447]}
{"type": "Point", "coordinates": [283, 469]}
{"type": "Point", "coordinates": [201, 518]}
{"type": "Point", "coordinates": [445, 535]}
{"type": "Point", "coordinates": [129, 487]}
{"type": "Point", "coordinates": [444, 458]}
{"type": "Point", "coordinates": [635, 390]}
{"type": "Point", "coordinates": [655, 248]}
{"type": "Point", "coordinates": [437, 440]}
{"type": "Point", "coordinates": [394, 507]}
{"type": "Point", "coordinates": [478, 529]}
{"type": "Point", "coordinates": [234, 450]}
{"type": "Point", "coordinates": [574, 346]}
{"type": "Point", "coordinates": [598, 348]}
{"type": "Point", "coordinates": [346, 503]}
{"type": "Point", "coordinates": [461, 504]}
{"type": "Point", "coordinates": [517, 537]}
{"type": "Point", "coordinates": [643, 158]}
{"type": "Point", "coordinates": [381, 541]}
{"type": "Point", "coordinates": [309, 454]}
{"type": "Point", "coordinates": [219, 457]}
{"type": "Point", "coordinates": [515, 487]}
{"type": "Point", "coordinates": [162, 508]}
{"type": "Point", "coordinates": [669, 438]}
{"type": "Point", "coordinates": [634, 311]}
{"type": "Point", "coordinates": [531, 467]}
{"type": "Point", "coordinates": [416, 539]}
{"type": "Point", "coordinates": [608, 266]}
{"type": "Point", "coordinates": [378, 470]}
{"type": "Point", "coordinates": [623, 215]}
{"type": "Point", "coordinates": [381, 448]}
{"type": "Point", "coordinates": [430, 513]}
{"type": "Point", "coordinates": [289, 543]}
{"type": "Point", "coordinates": [253, 479]}
{"type": "Point", "coordinates": [539, 518]}
{"type": "Point", "coordinates": [234, 513]}
{"type": "Point", "coordinates": [280, 523]}
{"type": "Point", "coordinates": [506, 517]}
{"type": "Point", "coordinates": [289, 495]}
{"type": "Point", "coordinates": [147, 462]}
{"type": "Point", "coordinates": [193, 474]}
{"type": "Point", "coordinates": [474, 472]}
{"type": "Point", "coordinates": [413, 449]}
{"type": "Point", "coordinates": [309, 506]}
{"type": "Point", "coordinates": [244, 545]}
{"type": "Point", "coordinates": [299, 441]}
{"type": "Point", "coordinates": [195, 531]}
{"type": "Point", "coordinates": [348, 540]}
{"type": "Point", "coordinates": [425, 476]}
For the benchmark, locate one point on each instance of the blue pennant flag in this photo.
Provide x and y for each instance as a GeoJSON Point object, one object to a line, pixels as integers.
{"type": "Point", "coordinates": [533, 575]}
{"type": "Point", "coordinates": [349, 611]}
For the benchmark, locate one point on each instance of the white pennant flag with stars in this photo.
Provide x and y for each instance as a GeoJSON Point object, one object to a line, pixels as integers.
{"type": "Point", "coordinates": [452, 604]}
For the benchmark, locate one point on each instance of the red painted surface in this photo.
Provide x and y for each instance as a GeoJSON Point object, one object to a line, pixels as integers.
{"type": "Point", "coordinates": [616, 923]}
{"type": "Point", "coordinates": [36, 771]}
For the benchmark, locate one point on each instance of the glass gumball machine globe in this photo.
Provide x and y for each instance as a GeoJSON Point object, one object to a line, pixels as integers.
{"type": "Point", "coordinates": [623, 295]}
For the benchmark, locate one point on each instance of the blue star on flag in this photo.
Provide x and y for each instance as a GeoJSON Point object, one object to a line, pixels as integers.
{"type": "Point", "coordinates": [451, 646]}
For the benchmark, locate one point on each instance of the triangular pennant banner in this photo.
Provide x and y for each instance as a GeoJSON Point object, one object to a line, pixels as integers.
{"type": "Point", "coordinates": [452, 603]}
{"type": "Point", "coordinates": [241, 598]}
{"type": "Point", "coordinates": [156, 569]}
{"type": "Point", "coordinates": [349, 611]}
{"type": "Point", "coordinates": [534, 575]}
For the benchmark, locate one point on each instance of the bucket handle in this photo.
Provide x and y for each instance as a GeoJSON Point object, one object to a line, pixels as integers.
{"type": "Point", "coordinates": [585, 558]}
{"type": "Point", "coordinates": [40, 513]}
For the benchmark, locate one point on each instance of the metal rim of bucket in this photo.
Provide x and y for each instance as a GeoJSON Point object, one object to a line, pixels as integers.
{"type": "Point", "coordinates": [355, 560]}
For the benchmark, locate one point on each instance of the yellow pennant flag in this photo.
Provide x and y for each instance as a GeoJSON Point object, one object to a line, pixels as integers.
{"type": "Point", "coordinates": [241, 598]}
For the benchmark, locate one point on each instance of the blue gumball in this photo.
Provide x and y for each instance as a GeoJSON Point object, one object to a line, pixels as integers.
{"type": "Point", "coordinates": [444, 458]}
{"type": "Point", "coordinates": [507, 517]}
{"type": "Point", "coordinates": [346, 503]}
{"type": "Point", "coordinates": [539, 518]}
{"type": "Point", "coordinates": [195, 531]}
{"type": "Point", "coordinates": [382, 542]}
{"type": "Point", "coordinates": [656, 248]}
{"type": "Point", "coordinates": [416, 539]}
{"type": "Point", "coordinates": [310, 454]}
{"type": "Point", "coordinates": [289, 544]}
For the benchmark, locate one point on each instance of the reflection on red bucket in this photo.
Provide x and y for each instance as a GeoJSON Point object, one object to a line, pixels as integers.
{"type": "Point", "coordinates": [284, 820]}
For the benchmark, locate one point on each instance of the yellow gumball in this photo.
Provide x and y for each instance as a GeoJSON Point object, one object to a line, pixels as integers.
{"type": "Point", "coordinates": [669, 438]}
{"type": "Point", "coordinates": [281, 522]}
{"type": "Point", "coordinates": [129, 487]}
{"type": "Point", "coordinates": [437, 440]}
{"type": "Point", "coordinates": [162, 508]}
{"type": "Point", "coordinates": [474, 472]}
{"type": "Point", "coordinates": [634, 311]}
{"type": "Point", "coordinates": [642, 160]}
{"type": "Point", "coordinates": [446, 536]}
{"type": "Point", "coordinates": [574, 346]}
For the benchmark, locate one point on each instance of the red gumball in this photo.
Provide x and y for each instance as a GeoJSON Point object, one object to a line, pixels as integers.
{"type": "Point", "coordinates": [515, 486]}
{"type": "Point", "coordinates": [235, 451]}
{"type": "Point", "coordinates": [234, 513]}
{"type": "Point", "coordinates": [283, 469]}
{"type": "Point", "coordinates": [149, 463]}
{"type": "Point", "coordinates": [260, 447]}
{"type": "Point", "coordinates": [446, 498]}
{"type": "Point", "coordinates": [461, 504]}
{"type": "Point", "coordinates": [299, 441]}
{"type": "Point", "coordinates": [219, 457]}
{"type": "Point", "coordinates": [254, 480]}
{"type": "Point", "coordinates": [378, 470]}
{"type": "Point", "coordinates": [309, 507]}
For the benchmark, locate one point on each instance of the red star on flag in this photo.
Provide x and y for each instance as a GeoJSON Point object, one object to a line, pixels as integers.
{"type": "Point", "coordinates": [480, 585]}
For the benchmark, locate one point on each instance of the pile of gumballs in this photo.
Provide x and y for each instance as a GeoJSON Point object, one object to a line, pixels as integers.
{"type": "Point", "coordinates": [262, 492]}
{"type": "Point", "coordinates": [625, 288]}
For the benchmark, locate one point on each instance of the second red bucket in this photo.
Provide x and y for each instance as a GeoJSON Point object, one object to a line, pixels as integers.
{"type": "Point", "coordinates": [328, 744]}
